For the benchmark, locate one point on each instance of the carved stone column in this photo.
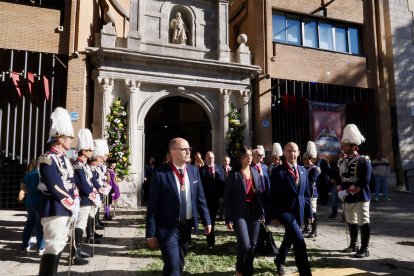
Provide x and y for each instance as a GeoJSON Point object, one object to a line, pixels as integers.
{"type": "Point", "coordinates": [224, 122]}
{"type": "Point", "coordinates": [245, 103]}
{"type": "Point", "coordinates": [106, 87]}
{"type": "Point", "coordinates": [223, 27]}
{"type": "Point", "coordinates": [225, 93]}
{"type": "Point", "coordinates": [133, 88]}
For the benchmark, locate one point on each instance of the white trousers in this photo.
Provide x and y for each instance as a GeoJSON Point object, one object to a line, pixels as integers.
{"type": "Point", "coordinates": [93, 211]}
{"type": "Point", "coordinates": [55, 232]}
{"type": "Point", "coordinates": [357, 213]}
{"type": "Point", "coordinates": [83, 217]}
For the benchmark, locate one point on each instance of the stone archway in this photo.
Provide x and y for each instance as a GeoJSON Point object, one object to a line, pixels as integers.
{"type": "Point", "coordinates": [176, 117]}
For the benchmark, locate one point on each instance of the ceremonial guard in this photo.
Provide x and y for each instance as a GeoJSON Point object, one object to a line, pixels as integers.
{"type": "Point", "coordinates": [309, 158]}
{"type": "Point", "coordinates": [277, 154]}
{"type": "Point", "coordinates": [57, 184]}
{"type": "Point", "coordinates": [355, 172]}
{"type": "Point", "coordinates": [83, 178]}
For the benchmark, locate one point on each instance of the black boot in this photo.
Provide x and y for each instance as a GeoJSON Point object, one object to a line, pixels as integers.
{"type": "Point", "coordinates": [90, 237]}
{"type": "Point", "coordinates": [314, 231]}
{"type": "Point", "coordinates": [55, 267]}
{"type": "Point", "coordinates": [353, 233]}
{"type": "Point", "coordinates": [78, 260]}
{"type": "Point", "coordinates": [306, 230]}
{"type": "Point", "coordinates": [365, 235]}
{"type": "Point", "coordinates": [47, 265]}
{"type": "Point", "coordinates": [97, 236]}
{"type": "Point", "coordinates": [98, 221]}
{"type": "Point", "coordinates": [78, 240]}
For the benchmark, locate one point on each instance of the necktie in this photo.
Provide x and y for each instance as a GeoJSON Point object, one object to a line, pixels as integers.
{"type": "Point", "coordinates": [294, 172]}
{"type": "Point", "coordinates": [183, 202]}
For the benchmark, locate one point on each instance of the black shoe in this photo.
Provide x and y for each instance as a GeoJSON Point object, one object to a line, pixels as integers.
{"type": "Point", "coordinates": [99, 227]}
{"type": "Point", "coordinates": [84, 254]}
{"type": "Point", "coordinates": [97, 236]}
{"type": "Point", "coordinates": [280, 269]}
{"type": "Point", "coordinates": [90, 240]}
{"type": "Point", "coordinates": [362, 253]}
{"type": "Point", "coordinates": [47, 264]}
{"type": "Point", "coordinates": [333, 215]}
{"type": "Point", "coordinates": [78, 260]}
{"type": "Point", "coordinates": [305, 231]}
{"type": "Point", "coordinates": [312, 234]}
{"type": "Point", "coordinates": [351, 248]}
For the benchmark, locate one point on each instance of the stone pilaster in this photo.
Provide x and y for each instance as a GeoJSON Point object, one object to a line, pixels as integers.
{"type": "Point", "coordinates": [133, 88]}
{"type": "Point", "coordinates": [106, 87]}
{"type": "Point", "coordinates": [245, 116]}
{"type": "Point", "coordinates": [224, 121]}
{"type": "Point", "coordinates": [223, 30]}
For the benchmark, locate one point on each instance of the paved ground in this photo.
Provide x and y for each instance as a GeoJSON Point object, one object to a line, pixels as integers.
{"type": "Point", "coordinates": [392, 244]}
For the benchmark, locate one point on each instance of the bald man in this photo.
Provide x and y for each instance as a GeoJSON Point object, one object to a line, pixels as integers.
{"type": "Point", "coordinates": [176, 200]}
{"type": "Point", "coordinates": [289, 200]}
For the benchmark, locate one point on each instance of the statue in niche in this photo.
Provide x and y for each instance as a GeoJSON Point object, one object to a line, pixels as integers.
{"type": "Point", "coordinates": [179, 28]}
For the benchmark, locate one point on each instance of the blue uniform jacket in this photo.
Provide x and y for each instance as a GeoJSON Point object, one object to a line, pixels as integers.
{"type": "Point", "coordinates": [363, 174]}
{"type": "Point", "coordinates": [84, 186]}
{"type": "Point", "coordinates": [56, 190]}
{"type": "Point", "coordinates": [288, 201]}
{"type": "Point", "coordinates": [163, 210]}
{"type": "Point", "coordinates": [313, 174]}
{"type": "Point", "coordinates": [235, 195]}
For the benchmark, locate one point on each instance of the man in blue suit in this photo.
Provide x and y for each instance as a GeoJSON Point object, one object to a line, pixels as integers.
{"type": "Point", "coordinates": [175, 200]}
{"type": "Point", "coordinates": [290, 199]}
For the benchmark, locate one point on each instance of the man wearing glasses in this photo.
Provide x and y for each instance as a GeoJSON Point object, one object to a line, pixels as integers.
{"type": "Point", "coordinates": [175, 200]}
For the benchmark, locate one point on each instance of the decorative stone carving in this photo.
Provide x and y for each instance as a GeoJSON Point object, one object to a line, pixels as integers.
{"type": "Point", "coordinates": [180, 30]}
{"type": "Point", "coordinates": [243, 52]}
{"type": "Point", "coordinates": [245, 96]}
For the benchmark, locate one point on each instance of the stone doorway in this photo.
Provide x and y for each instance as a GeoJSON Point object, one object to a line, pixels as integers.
{"type": "Point", "coordinates": [176, 117]}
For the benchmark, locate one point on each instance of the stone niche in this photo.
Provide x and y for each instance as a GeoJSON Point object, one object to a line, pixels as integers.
{"type": "Point", "coordinates": [199, 17]}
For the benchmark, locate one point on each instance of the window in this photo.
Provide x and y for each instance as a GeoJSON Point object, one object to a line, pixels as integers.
{"type": "Point", "coordinates": [312, 32]}
{"type": "Point", "coordinates": [279, 27]}
{"type": "Point", "coordinates": [325, 36]}
{"type": "Point", "coordinates": [293, 30]}
{"type": "Point", "coordinates": [341, 44]}
{"type": "Point", "coordinates": [354, 41]}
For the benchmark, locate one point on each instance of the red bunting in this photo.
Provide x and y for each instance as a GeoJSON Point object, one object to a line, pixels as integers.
{"type": "Point", "coordinates": [46, 87]}
{"type": "Point", "coordinates": [15, 78]}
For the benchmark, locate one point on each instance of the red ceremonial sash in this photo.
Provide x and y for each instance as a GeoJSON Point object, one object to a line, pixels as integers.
{"type": "Point", "coordinates": [294, 175]}
{"type": "Point", "coordinates": [179, 176]}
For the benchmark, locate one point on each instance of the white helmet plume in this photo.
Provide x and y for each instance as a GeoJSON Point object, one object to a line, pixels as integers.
{"type": "Point", "coordinates": [351, 135]}
{"type": "Point", "coordinates": [277, 150]}
{"type": "Point", "coordinates": [85, 140]}
{"type": "Point", "coordinates": [101, 147]}
{"type": "Point", "coordinates": [61, 124]}
{"type": "Point", "coordinates": [311, 151]}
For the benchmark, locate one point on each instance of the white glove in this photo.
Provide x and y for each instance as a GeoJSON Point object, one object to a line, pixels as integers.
{"type": "Point", "coordinates": [97, 200]}
{"type": "Point", "coordinates": [106, 191]}
{"type": "Point", "coordinates": [75, 210]}
{"type": "Point", "coordinates": [342, 194]}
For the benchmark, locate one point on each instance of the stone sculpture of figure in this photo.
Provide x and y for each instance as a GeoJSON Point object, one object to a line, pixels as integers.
{"type": "Point", "coordinates": [179, 30]}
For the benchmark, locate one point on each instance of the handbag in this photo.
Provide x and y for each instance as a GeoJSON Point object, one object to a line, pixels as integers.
{"type": "Point", "coordinates": [265, 243]}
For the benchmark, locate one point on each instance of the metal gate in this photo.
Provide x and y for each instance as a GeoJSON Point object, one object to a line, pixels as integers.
{"type": "Point", "coordinates": [31, 86]}
{"type": "Point", "coordinates": [293, 123]}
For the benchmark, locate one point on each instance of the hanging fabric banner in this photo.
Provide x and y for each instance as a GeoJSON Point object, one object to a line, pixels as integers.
{"type": "Point", "coordinates": [326, 122]}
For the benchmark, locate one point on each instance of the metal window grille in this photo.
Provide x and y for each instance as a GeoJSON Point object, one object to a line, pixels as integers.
{"type": "Point", "coordinates": [293, 123]}
{"type": "Point", "coordinates": [31, 86]}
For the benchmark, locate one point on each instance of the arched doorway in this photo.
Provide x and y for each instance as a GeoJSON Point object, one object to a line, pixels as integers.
{"type": "Point", "coordinates": [176, 117]}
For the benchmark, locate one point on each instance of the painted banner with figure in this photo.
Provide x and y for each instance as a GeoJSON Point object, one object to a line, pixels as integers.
{"type": "Point", "coordinates": [326, 122]}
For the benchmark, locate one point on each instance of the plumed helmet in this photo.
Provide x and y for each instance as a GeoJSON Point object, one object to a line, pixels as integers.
{"type": "Point", "coordinates": [351, 135]}
{"type": "Point", "coordinates": [261, 150]}
{"type": "Point", "coordinates": [277, 150]}
{"type": "Point", "coordinates": [61, 124]}
{"type": "Point", "coordinates": [85, 140]}
{"type": "Point", "coordinates": [311, 152]}
{"type": "Point", "coordinates": [101, 147]}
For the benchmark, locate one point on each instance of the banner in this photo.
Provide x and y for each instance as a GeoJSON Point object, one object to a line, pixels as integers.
{"type": "Point", "coordinates": [326, 122]}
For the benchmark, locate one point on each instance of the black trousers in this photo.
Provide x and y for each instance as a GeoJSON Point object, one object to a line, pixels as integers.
{"type": "Point", "coordinates": [293, 236]}
{"type": "Point", "coordinates": [175, 249]}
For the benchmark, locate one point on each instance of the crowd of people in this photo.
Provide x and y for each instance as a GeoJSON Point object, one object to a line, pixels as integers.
{"type": "Point", "coordinates": [63, 196]}
{"type": "Point", "coordinates": [254, 195]}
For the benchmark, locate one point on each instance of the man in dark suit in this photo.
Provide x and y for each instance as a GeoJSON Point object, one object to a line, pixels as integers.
{"type": "Point", "coordinates": [213, 186]}
{"type": "Point", "coordinates": [290, 199]}
{"type": "Point", "coordinates": [175, 200]}
{"type": "Point", "coordinates": [224, 172]}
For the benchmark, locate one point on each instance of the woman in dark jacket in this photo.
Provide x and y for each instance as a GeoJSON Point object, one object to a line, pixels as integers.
{"type": "Point", "coordinates": [243, 209]}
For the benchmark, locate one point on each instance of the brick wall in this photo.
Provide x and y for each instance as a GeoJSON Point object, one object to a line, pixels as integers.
{"type": "Point", "coordinates": [30, 28]}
